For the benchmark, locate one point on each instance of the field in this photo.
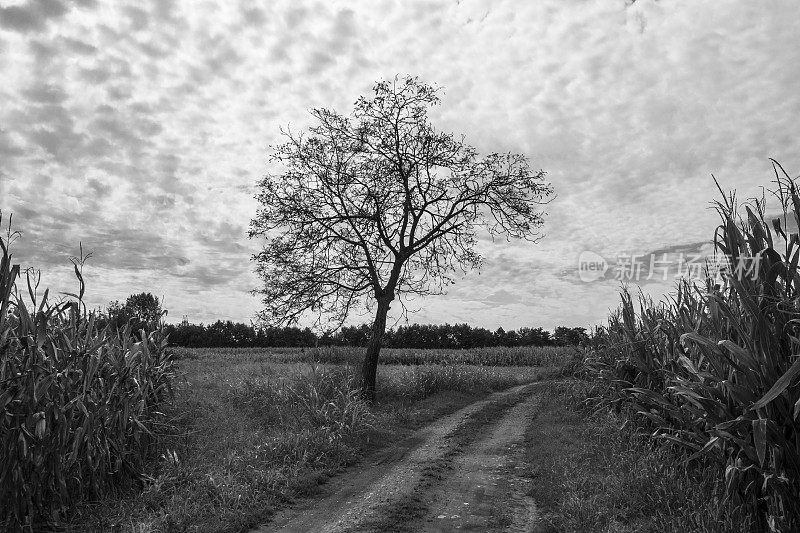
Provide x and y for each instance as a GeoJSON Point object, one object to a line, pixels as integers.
{"type": "Point", "coordinates": [255, 434]}
{"type": "Point", "coordinates": [544, 356]}
{"type": "Point", "coordinates": [258, 428]}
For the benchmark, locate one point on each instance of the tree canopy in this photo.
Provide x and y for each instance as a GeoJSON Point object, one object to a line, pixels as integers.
{"type": "Point", "coordinates": [380, 205]}
{"type": "Point", "coordinates": [142, 311]}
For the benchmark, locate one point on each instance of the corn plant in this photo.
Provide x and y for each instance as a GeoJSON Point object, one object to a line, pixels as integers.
{"type": "Point", "coordinates": [714, 369]}
{"type": "Point", "coordinates": [78, 404]}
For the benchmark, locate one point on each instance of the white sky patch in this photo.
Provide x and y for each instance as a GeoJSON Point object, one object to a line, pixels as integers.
{"type": "Point", "coordinates": [140, 129]}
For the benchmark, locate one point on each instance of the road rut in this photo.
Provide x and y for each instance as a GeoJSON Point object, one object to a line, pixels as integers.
{"type": "Point", "coordinates": [459, 473]}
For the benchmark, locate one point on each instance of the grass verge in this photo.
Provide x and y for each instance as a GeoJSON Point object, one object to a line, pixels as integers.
{"type": "Point", "coordinates": [592, 474]}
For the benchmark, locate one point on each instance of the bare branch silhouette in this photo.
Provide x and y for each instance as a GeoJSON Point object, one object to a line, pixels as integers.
{"type": "Point", "coordinates": [381, 205]}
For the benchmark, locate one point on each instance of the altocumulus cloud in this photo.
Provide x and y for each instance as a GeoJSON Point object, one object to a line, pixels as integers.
{"type": "Point", "coordinates": [139, 129]}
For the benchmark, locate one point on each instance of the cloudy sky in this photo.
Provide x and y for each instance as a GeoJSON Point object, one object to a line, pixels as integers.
{"type": "Point", "coordinates": [140, 129]}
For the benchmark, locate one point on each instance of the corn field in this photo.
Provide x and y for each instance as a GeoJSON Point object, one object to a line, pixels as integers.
{"type": "Point", "coordinates": [714, 368]}
{"type": "Point", "coordinates": [79, 404]}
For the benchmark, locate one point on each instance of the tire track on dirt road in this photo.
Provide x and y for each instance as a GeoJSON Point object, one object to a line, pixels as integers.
{"type": "Point", "coordinates": [486, 490]}
{"type": "Point", "coordinates": [400, 490]}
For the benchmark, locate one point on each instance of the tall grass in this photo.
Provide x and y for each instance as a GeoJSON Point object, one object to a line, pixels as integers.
{"type": "Point", "coordinates": [495, 356]}
{"type": "Point", "coordinates": [413, 383]}
{"type": "Point", "coordinates": [714, 369]}
{"type": "Point", "coordinates": [319, 398]}
{"type": "Point", "coordinates": [78, 404]}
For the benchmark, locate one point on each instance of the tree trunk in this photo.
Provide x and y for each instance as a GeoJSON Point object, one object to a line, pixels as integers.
{"type": "Point", "coordinates": [369, 370]}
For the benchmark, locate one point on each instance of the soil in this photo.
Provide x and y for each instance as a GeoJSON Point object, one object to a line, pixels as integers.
{"type": "Point", "coordinates": [463, 472]}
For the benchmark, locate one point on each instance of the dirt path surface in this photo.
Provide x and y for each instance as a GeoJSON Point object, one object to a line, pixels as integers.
{"type": "Point", "coordinates": [460, 473]}
{"type": "Point", "coordinates": [484, 491]}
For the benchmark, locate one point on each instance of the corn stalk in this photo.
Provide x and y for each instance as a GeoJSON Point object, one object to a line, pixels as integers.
{"type": "Point", "coordinates": [78, 404]}
{"type": "Point", "coordinates": [714, 369]}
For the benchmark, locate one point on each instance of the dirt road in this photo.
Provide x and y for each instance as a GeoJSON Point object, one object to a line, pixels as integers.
{"type": "Point", "coordinates": [461, 473]}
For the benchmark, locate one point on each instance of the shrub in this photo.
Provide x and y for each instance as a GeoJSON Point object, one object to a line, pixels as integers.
{"type": "Point", "coordinates": [78, 404]}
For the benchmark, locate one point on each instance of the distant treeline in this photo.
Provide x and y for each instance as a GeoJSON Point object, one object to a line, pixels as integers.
{"type": "Point", "coordinates": [144, 311]}
{"type": "Point", "coordinates": [227, 334]}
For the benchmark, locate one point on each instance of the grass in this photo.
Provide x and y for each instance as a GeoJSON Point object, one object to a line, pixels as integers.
{"type": "Point", "coordinates": [337, 355]}
{"type": "Point", "coordinates": [258, 433]}
{"type": "Point", "coordinates": [590, 472]}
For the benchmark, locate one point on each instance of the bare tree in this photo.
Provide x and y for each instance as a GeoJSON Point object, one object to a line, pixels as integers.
{"type": "Point", "coordinates": [380, 206]}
